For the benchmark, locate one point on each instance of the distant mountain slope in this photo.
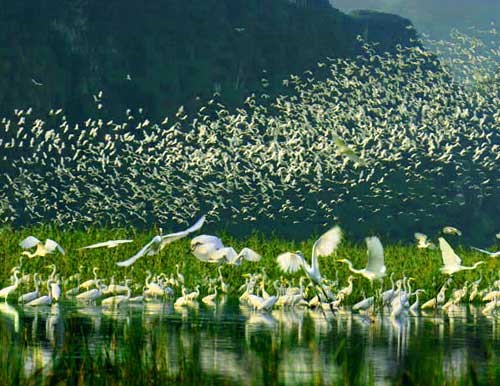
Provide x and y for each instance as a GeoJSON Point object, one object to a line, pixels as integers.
{"type": "Point", "coordinates": [430, 16]}
{"type": "Point", "coordinates": [162, 54]}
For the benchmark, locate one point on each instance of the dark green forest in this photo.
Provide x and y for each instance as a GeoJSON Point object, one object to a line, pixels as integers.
{"type": "Point", "coordinates": [159, 55]}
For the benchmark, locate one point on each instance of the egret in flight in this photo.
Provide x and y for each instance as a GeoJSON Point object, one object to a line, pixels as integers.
{"type": "Point", "coordinates": [42, 249]}
{"type": "Point", "coordinates": [491, 254]}
{"type": "Point", "coordinates": [108, 244]}
{"type": "Point", "coordinates": [210, 249]}
{"type": "Point", "coordinates": [159, 242]}
{"type": "Point", "coordinates": [324, 246]}
{"type": "Point", "coordinates": [375, 269]}
{"type": "Point", "coordinates": [452, 262]}
{"type": "Point", "coordinates": [422, 241]}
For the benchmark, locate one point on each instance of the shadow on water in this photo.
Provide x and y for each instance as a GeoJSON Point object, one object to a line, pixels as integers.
{"type": "Point", "coordinates": [157, 344]}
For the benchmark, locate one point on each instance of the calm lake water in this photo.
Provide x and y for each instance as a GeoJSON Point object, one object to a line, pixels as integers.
{"type": "Point", "coordinates": [228, 344]}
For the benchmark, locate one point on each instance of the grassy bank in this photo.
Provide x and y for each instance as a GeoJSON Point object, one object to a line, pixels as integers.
{"type": "Point", "coordinates": [402, 259]}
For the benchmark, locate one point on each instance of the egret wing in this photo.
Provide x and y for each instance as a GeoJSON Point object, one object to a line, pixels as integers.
{"type": "Point", "coordinates": [290, 262]}
{"type": "Point", "coordinates": [109, 244]}
{"type": "Point", "coordinates": [450, 258]}
{"type": "Point", "coordinates": [420, 237]}
{"type": "Point", "coordinates": [207, 239]}
{"type": "Point", "coordinates": [29, 242]}
{"type": "Point", "coordinates": [492, 254]}
{"type": "Point", "coordinates": [51, 246]}
{"type": "Point", "coordinates": [218, 256]}
{"type": "Point", "coordinates": [328, 242]}
{"type": "Point", "coordinates": [250, 255]}
{"type": "Point", "coordinates": [144, 250]}
{"type": "Point", "coordinates": [167, 239]}
{"type": "Point", "coordinates": [375, 255]}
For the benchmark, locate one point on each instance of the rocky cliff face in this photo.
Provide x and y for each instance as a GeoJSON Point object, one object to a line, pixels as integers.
{"type": "Point", "coordinates": [159, 55]}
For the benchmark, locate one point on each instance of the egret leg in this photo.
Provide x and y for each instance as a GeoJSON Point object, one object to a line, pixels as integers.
{"type": "Point", "coordinates": [327, 299]}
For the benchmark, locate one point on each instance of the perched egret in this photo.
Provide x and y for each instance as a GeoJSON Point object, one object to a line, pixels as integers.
{"type": "Point", "coordinates": [491, 254]}
{"type": "Point", "coordinates": [117, 300]}
{"type": "Point", "coordinates": [260, 304]}
{"type": "Point", "coordinates": [209, 300]}
{"type": "Point", "coordinates": [5, 292]}
{"type": "Point", "coordinates": [91, 282]}
{"type": "Point", "coordinates": [28, 297]}
{"type": "Point", "coordinates": [91, 295]}
{"type": "Point", "coordinates": [324, 246]}
{"type": "Point", "coordinates": [414, 307]}
{"type": "Point", "coordinates": [42, 249]}
{"type": "Point", "coordinates": [45, 300]}
{"type": "Point", "coordinates": [159, 242]}
{"type": "Point", "coordinates": [375, 269]}
{"type": "Point", "coordinates": [108, 244]}
{"type": "Point", "coordinates": [451, 261]}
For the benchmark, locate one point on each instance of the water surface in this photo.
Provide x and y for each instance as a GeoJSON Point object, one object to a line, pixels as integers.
{"type": "Point", "coordinates": [230, 344]}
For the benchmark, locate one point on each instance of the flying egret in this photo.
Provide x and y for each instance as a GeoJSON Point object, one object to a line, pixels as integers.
{"type": "Point", "coordinates": [324, 246]}
{"type": "Point", "coordinates": [449, 230]}
{"type": "Point", "coordinates": [108, 244]}
{"type": "Point", "coordinates": [5, 292]}
{"type": "Point", "coordinates": [210, 249]}
{"type": "Point", "coordinates": [423, 241]}
{"type": "Point", "coordinates": [375, 268]}
{"type": "Point", "coordinates": [204, 246]}
{"type": "Point", "coordinates": [42, 249]}
{"type": "Point", "coordinates": [451, 261]}
{"type": "Point", "coordinates": [491, 254]}
{"type": "Point", "coordinates": [159, 242]}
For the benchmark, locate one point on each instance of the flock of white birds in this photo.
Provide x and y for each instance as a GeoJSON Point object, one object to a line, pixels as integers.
{"type": "Point", "coordinates": [374, 140]}
{"type": "Point", "coordinates": [387, 139]}
{"type": "Point", "coordinates": [320, 293]}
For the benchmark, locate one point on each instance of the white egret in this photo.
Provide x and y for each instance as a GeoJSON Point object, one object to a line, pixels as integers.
{"type": "Point", "coordinates": [45, 300]}
{"type": "Point", "coordinates": [375, 269]}
{"type": "Point", "coordinates": [451, 261]}
{"type": "Point", "coordinates": [159, 242]}
{"type": "Point", "coordinates": [260, 304]}
{"type": "Point", "coordinates": [423, 241]}
{"type": "Point", "coordinates": [117, 300]}
{"type": "Point", "coordinates": [324, 246]}
{"type": "Point", "coordinates": [55, 288]}
{"type": "Point", "coordinates": [204, 245]}
{"type": "Point", "coordinates": [449, 230]}
{"type": "Point", "coordinates": [108, 244]}
{"type": "Point", "coordinates": [5, 292]}
{"type": "Point", "coordinates": [91, 295]}
{"type": "Point", "coordinates": [491, 254]}
{"type": "Point", "coordinates": [211, 249]}
{"type": "Point", "coordinates": [91, 282]}
{"type": "Point", "coordinates": [414, 307]}
{"type": "Point", "coordinates": [209, 300]}
{"type": "Point", "coordinates": [42, 249]}
{"type": "Point", "coordinates": [475, 289]}
{"type": "Point", "coordinates": [27, 297]}
{"type": "Point", "coordinates": [439, 299]}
